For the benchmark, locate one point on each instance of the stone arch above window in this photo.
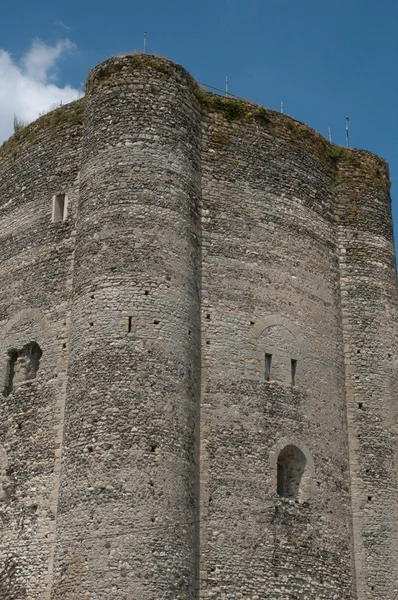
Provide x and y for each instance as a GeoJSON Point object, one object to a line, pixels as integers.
{"type": "Point", "coordinates": [278, 351]}
{"type": "Point", "coordinates": [293, 470]}
{"type": "Point", "coordinates": [23, 318]}
{"type": "Point", "coordinates": [22, 366]}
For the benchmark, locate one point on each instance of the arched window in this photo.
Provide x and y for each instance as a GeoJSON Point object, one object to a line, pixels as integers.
{"type": "Point", "coordinates": [291, 467]}
{"type": "Point", "coordinates": [22, 365]}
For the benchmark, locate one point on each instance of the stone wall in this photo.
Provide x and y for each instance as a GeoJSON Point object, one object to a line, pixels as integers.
{"type": "Point", "coordinates": [271, 286]}
{"type": "Point", "coordinates": [369, 309]}
{"type": "Point", "coordinates": [36, 269]}
{"type": "Point", "coordinates": [221, 290]}
{"type": "Point", "coordinates": [128, 507]}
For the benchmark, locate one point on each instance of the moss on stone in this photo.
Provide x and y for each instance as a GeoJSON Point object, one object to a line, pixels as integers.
{"type": "Point", "coordinates": [106, 74]}
{"type": "Point", "coordinates": [231, 109]}
{"type": "Point", "coordinates": [68, 115]}
{"type": "Point", "coordinates": [262, 115]}
{"type": "Point", "coordinates": [298, 130]}
{"type": "Point", "coordinates": [336, 152]}
{"type": "Point", "coordinates": [363, 165]}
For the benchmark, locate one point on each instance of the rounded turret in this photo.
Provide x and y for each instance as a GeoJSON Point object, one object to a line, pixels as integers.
{"type": "Point", "coordinates": [129, 494]}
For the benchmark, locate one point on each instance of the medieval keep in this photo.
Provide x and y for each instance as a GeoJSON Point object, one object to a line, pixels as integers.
{"type": "Point", "coordinates": [198, 352]}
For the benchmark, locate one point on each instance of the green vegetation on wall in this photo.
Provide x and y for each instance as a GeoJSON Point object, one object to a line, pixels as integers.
{"type": "Point", "coordinates": [69, 115]}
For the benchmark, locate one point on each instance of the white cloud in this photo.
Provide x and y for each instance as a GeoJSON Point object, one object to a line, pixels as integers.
{"type": "Point", "coordinates": [28, 88]}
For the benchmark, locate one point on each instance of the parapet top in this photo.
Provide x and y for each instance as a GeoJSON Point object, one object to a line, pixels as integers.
{"type": "Point", "coordinates": [124, 64]}
{"type": "Point", "coordinates": [130, 68]}
{"type": "Point", "coordinates": [113, 70]}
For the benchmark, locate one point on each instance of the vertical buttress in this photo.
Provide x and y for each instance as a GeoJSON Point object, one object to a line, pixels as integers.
{"type": "Point", "coordinates": [127, 521]}
{"type": "Point", "coordinates": [369, 317]}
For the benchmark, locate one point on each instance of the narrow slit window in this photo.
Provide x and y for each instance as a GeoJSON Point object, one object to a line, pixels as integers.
{"type": "Point", "coordinates": [267, 367]}
{"type": "Point", "coordinates": [59, 208]}
{"type": "Point", "coordinates": [294, 369]}
{"type": "Point", "coordinates": [129, 325]}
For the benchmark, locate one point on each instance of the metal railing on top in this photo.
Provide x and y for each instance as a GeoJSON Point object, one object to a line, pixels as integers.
{"type": "Point", "coordinates": [226, 93]}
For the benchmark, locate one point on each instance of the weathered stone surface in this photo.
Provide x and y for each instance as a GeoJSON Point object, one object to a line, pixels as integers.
{"type": "Point", "coordinates": [212, 289]}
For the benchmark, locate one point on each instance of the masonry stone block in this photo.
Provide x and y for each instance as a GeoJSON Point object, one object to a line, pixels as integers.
{"type": "Point", "coordinates": [198, 352]}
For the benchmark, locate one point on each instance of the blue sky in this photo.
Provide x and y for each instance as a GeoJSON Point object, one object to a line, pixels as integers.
{"type": "Point", "coordinates": [324, 59]}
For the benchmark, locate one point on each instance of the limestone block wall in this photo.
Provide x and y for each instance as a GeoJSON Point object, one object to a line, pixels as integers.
{"type": "Point", "coordinates": [197, 352]}
{"type": "Point", "coordinates": [270, 284]}
{"type": "Point", "coordinates": [36, 268]}
{"type": "Point", "coordinates": [369, 309]}
{"type": "Point", "coordinates": [127, 525]}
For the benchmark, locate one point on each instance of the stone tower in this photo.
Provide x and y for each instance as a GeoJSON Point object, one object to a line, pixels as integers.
{"type": "Point", "coordinates": [198, 352]}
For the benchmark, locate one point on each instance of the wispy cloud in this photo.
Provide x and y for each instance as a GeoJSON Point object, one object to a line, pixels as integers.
{"type": "Point", "coordinates": [40, 62]}
{"type": "Point", "coordinates": [28, 87]}
{"type": "Point", "coordinates": [59, 23]}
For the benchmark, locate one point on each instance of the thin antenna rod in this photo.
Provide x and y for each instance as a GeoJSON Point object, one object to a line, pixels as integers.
{"type": "Point", "coordinates": [282, 106]}
{"type": "Point", "coordinates": [347, 138]}
{"type": "Point", "coordinates": [226, 85]}
{"type": "Point", "coordinates": [144, 42]}
{"type": "Point", "coordinates": [330, 135]}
